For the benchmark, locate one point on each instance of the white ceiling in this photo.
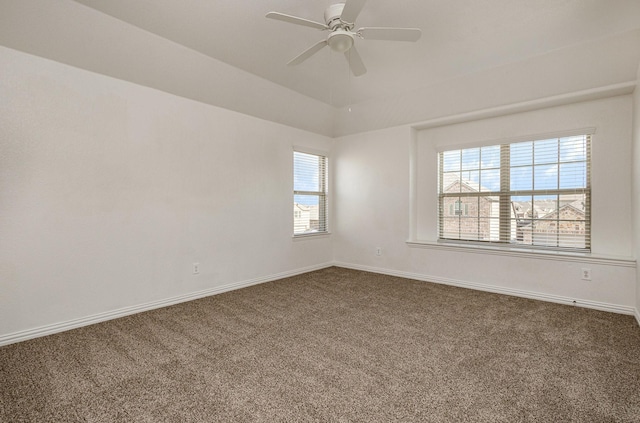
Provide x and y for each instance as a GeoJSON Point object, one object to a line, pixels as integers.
{"type": "Point", "coordinates": [459, 37]}
{"type": "Point", "coordinates": [473, 54]}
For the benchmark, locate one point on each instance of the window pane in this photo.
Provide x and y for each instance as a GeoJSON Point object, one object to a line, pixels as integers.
{"type": "Point", "coordinates": [489, 214]}
{"type": "Point", "coordinates": [576, 201]}
{"type": "Point", "coordinates": [470, 206]}
{"type": "Point", "coordinates": [572, 223]}
{"type": "Point", "coordinates": [450, 228]}
{"type": "Point", "coordinates": [522, 213]}
{"type": "Point", "coordinates": [545, 206]}
{"type": "Point", "coordinates": [307, 171]}
{"type": "Point", "coordinates": [573, 175]}
{"type": "Point", "coordinates": [522, 178]}
{"type": "Point", "coordinates": [573, 236]}
{"type": "Point", "coordinates": [488, 206]}
{"type": "Point", "coordinates": [490, 157]}
{"type": "Point", "coordinates": [544, 233]}
{"type": "Point", "coordinates": [307, 200]}
{"type": "Point", "coordinates": [469, 228]}
{"type": "Point", "coordinates": [521, 153]}
{"type": "Point", "coordinates": [489, 229]}
{"type": "Point", "coordinates": [521, 208]}
{"type": "Point", "coordinates": [516, 231]}
{"type": "Point", "coordinates": [307, 214]}
{"type": "Point", "coordinates": [451, 182]}
{"type": "Point", "coordinates": [470, 158]}
{"type": "Point", "coordinates": [546, 177]}
{"type": "Point", "coordinates": [573, 148]}
{"type": "Point", "coordinates": [470, 178]}
{"type": "Point", "coordinates": [545, 151]}
{"type": "Point", "coordinates": [451, 206]}
{"type": "Point", "coordinates": [451, 160]}
{"type": "Point", "coordinates": [490, 180]}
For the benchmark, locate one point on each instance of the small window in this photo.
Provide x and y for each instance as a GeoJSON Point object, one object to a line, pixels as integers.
{"type": "Point", "coordinates": [460, 209]}
{"type": "Point", "coordinates": [534, 193]}
{"type": "Point", "coordinates": [309, 193]}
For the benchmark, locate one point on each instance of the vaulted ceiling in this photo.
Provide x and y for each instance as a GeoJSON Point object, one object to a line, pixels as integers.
{"type": "Point", "coordinates": [180, 45]}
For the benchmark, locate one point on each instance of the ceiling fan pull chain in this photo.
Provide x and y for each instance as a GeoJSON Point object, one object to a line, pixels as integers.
{"type": "Point", "coordinates": [349, 82]}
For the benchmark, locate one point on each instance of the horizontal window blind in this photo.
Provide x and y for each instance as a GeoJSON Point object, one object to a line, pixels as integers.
{"type": "Point", "coordinates": [533, 193]}
{"type": "Point", "coordinates": [309, 193]}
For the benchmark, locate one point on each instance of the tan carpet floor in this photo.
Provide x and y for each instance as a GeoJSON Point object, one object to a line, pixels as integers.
{"type": "Point", "coordinates": [334, 345]}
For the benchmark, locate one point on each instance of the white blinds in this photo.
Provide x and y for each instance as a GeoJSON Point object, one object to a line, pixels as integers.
{"type": "Point", "coordinates": [534, 193]}
{"type": "Point", "coordinates": [309, 193]}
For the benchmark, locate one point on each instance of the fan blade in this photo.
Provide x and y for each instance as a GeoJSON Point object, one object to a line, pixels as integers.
{"type": "Point", "coordinates": [295, 20]}
{"type": "Point", "coordinates": [307, 53]}
{"type": "Point", "coordinates": [351, 10]}
{"type": "Point", "coordinates": [390, 34]}
{"type": "Point", "coordinates": [355, 61]}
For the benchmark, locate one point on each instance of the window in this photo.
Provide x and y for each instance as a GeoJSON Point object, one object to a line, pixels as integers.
{"type": "Point", "coordinates": [309, 193]}
{"type": "Point", "coordinates": [458, 208]}
{"type": "Point", "coordinates": [533, 193]}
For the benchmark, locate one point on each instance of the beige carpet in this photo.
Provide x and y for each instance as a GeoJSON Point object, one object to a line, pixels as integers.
{"type": "Point", "coordinates": [334, 345]}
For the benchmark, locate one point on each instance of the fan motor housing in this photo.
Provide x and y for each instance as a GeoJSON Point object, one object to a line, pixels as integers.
{"type": "Point", "coordinates": [332, 16]}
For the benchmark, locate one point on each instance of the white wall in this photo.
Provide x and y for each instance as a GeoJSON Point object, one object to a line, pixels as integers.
{"type": "Point", "coordinates": [374, 196]}
{"type": "Point", "coordinates": [110, 191]}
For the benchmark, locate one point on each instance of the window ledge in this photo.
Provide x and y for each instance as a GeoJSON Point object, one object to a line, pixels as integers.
{"type": "Point", "coordinates": [303, 237]}
{"type": "Point", "coordinates": [528, 253]}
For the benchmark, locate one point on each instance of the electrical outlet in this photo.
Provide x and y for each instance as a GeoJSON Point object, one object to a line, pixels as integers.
{"type": "Point", "coordinates": [378, 251]}
{"type": "Point", "coordinates": [586, 274]}
{"type": "Point", "coordinates": [196, 268]}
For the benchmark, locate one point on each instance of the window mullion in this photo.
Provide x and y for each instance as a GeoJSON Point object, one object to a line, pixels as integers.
{"type": "Point", "coordinates": [505, 187]}
{"type": "Point", "coordinates": [308, 193]}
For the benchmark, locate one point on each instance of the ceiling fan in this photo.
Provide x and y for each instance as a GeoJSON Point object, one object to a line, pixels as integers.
{"type": "Point", "coordinates": [340, 20]}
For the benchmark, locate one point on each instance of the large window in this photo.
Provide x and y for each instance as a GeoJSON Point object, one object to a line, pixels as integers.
{"type": "Point", "coordinates": [309, 193]}
{"type": "Point", "coordinates": [533, 193]}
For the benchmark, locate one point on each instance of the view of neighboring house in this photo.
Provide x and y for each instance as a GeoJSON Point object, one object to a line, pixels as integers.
{"type": "Point", "coordinates": [546, 221]}
{"type": "Point", "coordinates": [305, 218]}
{"type": "Point", "coordinates": [474, 218]}
{"type": "Point", "coordinates": [563, 227]}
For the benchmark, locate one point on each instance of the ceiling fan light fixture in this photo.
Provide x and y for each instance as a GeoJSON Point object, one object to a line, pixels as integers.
{"type": "Point", "coordinates": [340, 41]}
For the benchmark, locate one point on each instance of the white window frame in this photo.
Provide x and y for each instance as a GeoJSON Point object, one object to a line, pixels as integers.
{"type": "Point", "coordinates": [322, 194]}
{"type": "Point", "coordinates": [505, 194]}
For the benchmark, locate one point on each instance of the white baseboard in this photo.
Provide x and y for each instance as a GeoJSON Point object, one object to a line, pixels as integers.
{"type": "Point", "coordinates": [45, 330]}
{"type": "Point", "coordinates": [125, 311]}
{"type": "Point", "coordinates": [614, 308]}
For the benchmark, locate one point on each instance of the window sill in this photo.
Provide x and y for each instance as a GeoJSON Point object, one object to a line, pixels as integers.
{"type": "Point", "coordinates": [315, 235]}
{"type": "Point", "coordinates": [527, 253]}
